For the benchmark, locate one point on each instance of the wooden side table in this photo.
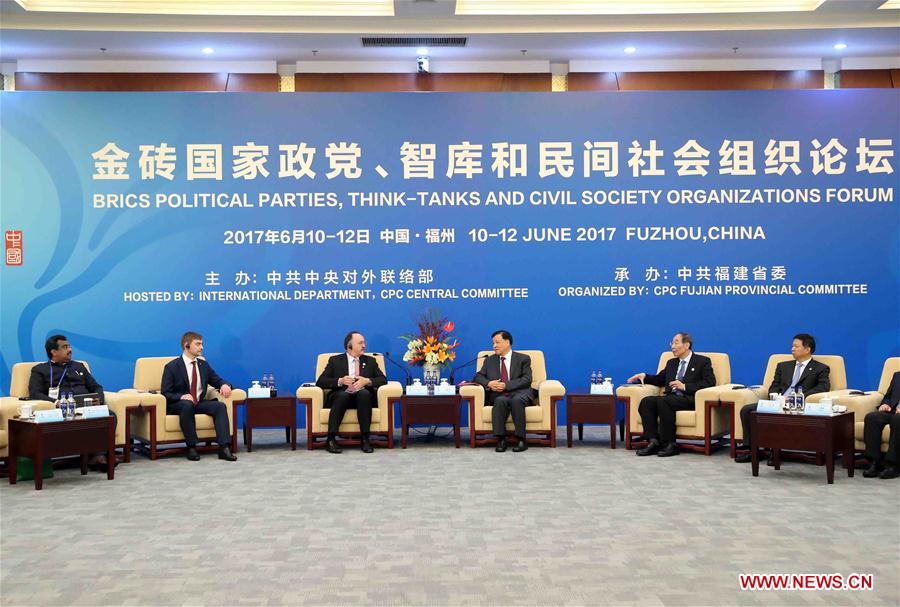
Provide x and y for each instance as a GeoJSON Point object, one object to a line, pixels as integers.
{"type": "Point", "coordinates": [55, 439]}
{"type": "Point", "coordinates": [129, 443]}
{"type": "Point", "coordinates": [586, 408]}
{"type": "Point", "coordinates": [822, 434]}
{"type": "Point", "coordinates": [430, 410]}
{"type": "Point", "coordinates": [278, 410]}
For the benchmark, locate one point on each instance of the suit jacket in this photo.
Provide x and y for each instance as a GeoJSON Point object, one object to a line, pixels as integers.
{"type": "Point", "coordinates": [892, 396]}
{"type": "Point", "coordinates": [175, 380]}
{"type": "Point", "coordinates": [338, 367]}
{"type": "Point", "coordinates": [519, 376]}
{"type": "Point", "coordinates": [813, 380]}
{"type": "Point", "coordinates": [77, 380]}
{"type": "Point", "coordinates": [698, 375]}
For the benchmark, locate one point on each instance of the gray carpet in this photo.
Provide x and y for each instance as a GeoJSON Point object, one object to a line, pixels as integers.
{"type": "Point", "coordinates": [433, 525]}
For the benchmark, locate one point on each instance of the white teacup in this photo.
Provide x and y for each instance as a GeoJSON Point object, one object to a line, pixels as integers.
{"type": "Point", "coordinates": [89, 402]}
{"type": "Point", "coordinates": [26, 410]}
{"type": "Point", "coordinates": [827, 402]}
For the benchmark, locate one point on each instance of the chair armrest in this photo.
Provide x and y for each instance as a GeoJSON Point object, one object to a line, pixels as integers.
{"type": "Point", "coordinates": [860, 404]}
{"type": "Point", "coordinates": [549, 388]}
{"type": "Point", "coordinates": [474, 392]}
{"type": "Point", "coordinates": [636, 392]}
{"type": "Point", "coordinates": [312, 393]}
{"type": "Point", "coordinates": [392, 389]}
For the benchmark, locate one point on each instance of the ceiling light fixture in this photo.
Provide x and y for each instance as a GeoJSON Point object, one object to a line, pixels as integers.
{"type": "Point", "coordinates": [629, 49]}
{"type": "Point", "coordinates": [632, 7]}
{"type": "Point", "coordinates": [840, 46]}
{"type": "Point", "coordinates": [421, 51]}
{"type": "Point", "coordinates": [207, 50]}
{"type": "Point", "coordinates": [257, 8]}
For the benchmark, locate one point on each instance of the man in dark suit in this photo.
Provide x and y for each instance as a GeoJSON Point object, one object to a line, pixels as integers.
{"type": "Point", "coordinates": [888, 412]}
{"type": "Point", "coordinates": [803, 372]}
{"type": "Point", "coordinates": [61, 375]}
{"type": "Point", "coordinates": [682, 377]}
{"type": "Point", "coordinates": [353, 380]}
{"type": "Point", "coordinates": [506, 379]}
{"type": "Point", "coordinates": [184, 384]}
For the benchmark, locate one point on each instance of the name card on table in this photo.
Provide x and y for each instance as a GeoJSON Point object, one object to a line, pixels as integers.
{"type": "Point", "coordinates": [604, 389]}
{"type": "Point", "coordinates": [444, 390]}
{"type": "Point", "coordinates": [417, 390]}
{"type": "Point", "coordinates": [820, 408]}
{"type": "Point", "coordinates": [95, 411]}
{"type": "Point", "coordinates": [48, 415]}
{"type": "Point", "coordinates": [257, 391]}
{"type": "Point", "coordinates": [768, 406]}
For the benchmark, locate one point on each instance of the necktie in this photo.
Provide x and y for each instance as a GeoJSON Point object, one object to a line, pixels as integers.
{"type": "Point", "coordinates": [798, 371]}
{"type": "Point", "coordinates": [681, 368]}
{"type": "Point", "coordinates": [504, 372]}
{"type": "Point", "coordinates": [194, 381]}
{"type": "Point", "coordinates": [356, 367]}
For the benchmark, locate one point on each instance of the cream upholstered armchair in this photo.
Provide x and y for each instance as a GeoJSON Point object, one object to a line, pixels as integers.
{"type": "Point", "coordinates": [151, 428]}
{"type": "Point", "coordinates": [705, 423]}
{"type": "Point", "coordinates": [735, 397]}
{"type": "Point", "coordinates": [540, 417]}
{"type": "Point", "coordinates": [18, 389]}
{"type": "Point", "coordinates": [313, 398]}
{"type": "Point", "coordinates": [862, 404]}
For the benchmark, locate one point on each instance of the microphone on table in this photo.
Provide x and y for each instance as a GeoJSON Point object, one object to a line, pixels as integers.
{"type": "Point", "coordinates": [387, 356]}
{"type": "Point", "coordinates": [455, 369]}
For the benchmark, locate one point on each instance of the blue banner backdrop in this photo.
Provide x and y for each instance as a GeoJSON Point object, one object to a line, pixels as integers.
{"type": "Point", "coordinates": [592, 226]}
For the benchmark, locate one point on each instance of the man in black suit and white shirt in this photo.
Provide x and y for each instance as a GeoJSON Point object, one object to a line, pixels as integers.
{"type": "Point", "coordinates": [888, 412]}
{"type": "Point", "coordinates": [682, 377]}
{"type": "Point", "coordinates": [802, 372]}
{"type": "Point", "coordinates": [353, 380]}
{"type": "Point", "coordinates": [184, 384]}
{"type": "Point", "coordinates": [506, 379]}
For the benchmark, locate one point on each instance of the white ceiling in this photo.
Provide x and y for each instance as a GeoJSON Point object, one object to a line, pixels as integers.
{"type": "Point", "coordinates": [867, 31]}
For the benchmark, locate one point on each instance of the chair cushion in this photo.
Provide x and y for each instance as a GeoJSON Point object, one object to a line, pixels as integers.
{"type": "Point", "coordinates": [533, 413]}
{"type": "Point", "coordinates": [204, 422]}
{"type": "Point", "coordinates": [686, 418]}
{"type": "Point", "coordinates": [349, 416]}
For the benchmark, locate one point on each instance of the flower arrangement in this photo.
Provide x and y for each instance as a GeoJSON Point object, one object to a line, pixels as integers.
{"type": "Point", "coordinates": [431, 346]}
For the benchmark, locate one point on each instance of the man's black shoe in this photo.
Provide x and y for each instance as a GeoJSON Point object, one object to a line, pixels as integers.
{"type": "Point", "coordinates": [743, 458]}
{"type": "Point", "coordinates": [874, 470]}
{"type": "Point", "coordinates": [501, 445]}
{"type": "Point", "coordinates": [670, 450]}
{"type": "Point", "coordinates": [520, 446]}
{"type": "Point", "coordinates": [193, 455]}
{"type": "Point", "coordinates": [331, 446]}
{"type": "Point", "coordinates": [652, 447]}
{"type": "Point", "coordinates": [226, 454]}
{"type": "Point", "coordinates": [366, 446]}
{"type": "Point", "coordinates": [890, 472]}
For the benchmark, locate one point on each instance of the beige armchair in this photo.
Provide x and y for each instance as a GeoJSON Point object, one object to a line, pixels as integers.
{"type": "Point", "coordinates": [149, 430]}
{"type": "Point", "coordinates": [18, 388]}
{"type": "Point", "coordinates": [733, 398]}
{"type": "Point", "coordinates": [313, 398]}
{"type": "Point", "coordinates": [862, 404]}
{"type": "Point", "coordinates": [540, 417]}
{"type": "Point", "coordinates": [705, 423]}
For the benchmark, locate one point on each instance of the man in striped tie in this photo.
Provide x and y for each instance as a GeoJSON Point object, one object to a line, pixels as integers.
{"type": "Point", "coordinates": [684, 374]}
{"type": "Point", "coordinates": [802, 372]}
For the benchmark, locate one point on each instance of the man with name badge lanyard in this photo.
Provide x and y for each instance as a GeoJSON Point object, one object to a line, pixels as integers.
{"type": "Point", "coordinates": [61, 375]}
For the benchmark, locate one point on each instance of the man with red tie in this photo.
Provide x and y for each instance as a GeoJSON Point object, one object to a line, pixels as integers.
{"type": "Point", "coordinates": [352, 380]}
{"type": "Point", "coordinates": [506, 379]}
{"type": "Point", "coordinates": [184, 383]}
